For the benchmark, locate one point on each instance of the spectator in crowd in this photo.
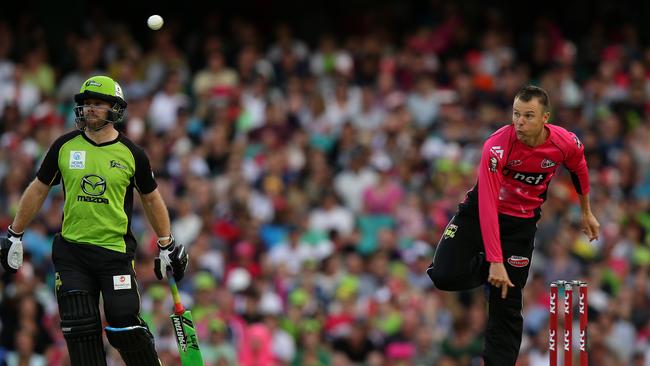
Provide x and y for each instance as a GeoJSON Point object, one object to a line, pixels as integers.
{"type": "Point", "coordinates": [24, 354]}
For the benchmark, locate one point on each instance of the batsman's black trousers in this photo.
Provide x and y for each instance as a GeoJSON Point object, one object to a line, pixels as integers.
{"type": "Point", "coordinates": [99, 270]}
{"type": "Point", "coordinates": [459, 264]}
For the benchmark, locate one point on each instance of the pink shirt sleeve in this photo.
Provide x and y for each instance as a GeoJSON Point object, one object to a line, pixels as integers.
{"type": "Point", "coordinates": [489, 185]}
{"type": "Point", "coordinates": [576, 164]}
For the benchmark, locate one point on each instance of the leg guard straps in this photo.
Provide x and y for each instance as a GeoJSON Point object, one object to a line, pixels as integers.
{"type": "Point", "coordinates": [81, 326]}
{"type": "Point", "coordinates": [135, 344]}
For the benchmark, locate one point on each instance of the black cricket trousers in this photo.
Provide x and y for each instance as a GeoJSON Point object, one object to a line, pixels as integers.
{"type": "Point", "coordinates": [459, 264]}
{"type": "Point", "coordinates": [99, 270]}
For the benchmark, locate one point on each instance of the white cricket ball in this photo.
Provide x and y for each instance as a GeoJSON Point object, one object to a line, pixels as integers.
{"type": "Point", "coordinates": [155, 22]}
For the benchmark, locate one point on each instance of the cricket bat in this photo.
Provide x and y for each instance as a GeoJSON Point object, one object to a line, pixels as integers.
{"type": "Point", "coordinates": [188, 343]}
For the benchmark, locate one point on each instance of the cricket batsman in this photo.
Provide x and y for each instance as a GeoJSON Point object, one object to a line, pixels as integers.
{"type": "Point", "coordinates": [94, 252]}
{"type": "Point", "coordinates": [491, 237]}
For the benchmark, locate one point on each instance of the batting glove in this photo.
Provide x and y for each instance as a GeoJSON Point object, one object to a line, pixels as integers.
{"type": "Point", "coordinates": [11, 250]}
{"type": "Point", "coordinates": [172, 257]}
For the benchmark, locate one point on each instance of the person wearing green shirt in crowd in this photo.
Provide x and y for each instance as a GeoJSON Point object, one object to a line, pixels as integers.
{"type": "Point", "coordinates": [157, 316]}
{"type": "Point", "coordinates": [217, 348]}
{"type": "Point", "coordinates": [311, 351]}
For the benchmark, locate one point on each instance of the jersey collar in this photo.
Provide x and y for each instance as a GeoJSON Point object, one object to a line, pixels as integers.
{"type": "Point", "coordinates": [119, 135]}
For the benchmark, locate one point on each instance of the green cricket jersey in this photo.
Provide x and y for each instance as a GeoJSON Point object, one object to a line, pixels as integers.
{"type": "Point", "coordinates": [98, 182]}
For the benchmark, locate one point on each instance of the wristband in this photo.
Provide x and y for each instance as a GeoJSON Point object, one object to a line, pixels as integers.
{"type": "Point", "coordinates": [161, 238]}
{"type": "Point", "coordinates": [13, 233]}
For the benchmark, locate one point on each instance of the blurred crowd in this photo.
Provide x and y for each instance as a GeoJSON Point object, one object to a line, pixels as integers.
{"type": "Point", "coordinates": [310, 182]}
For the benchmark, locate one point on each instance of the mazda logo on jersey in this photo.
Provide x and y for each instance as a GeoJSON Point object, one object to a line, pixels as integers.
{"type": "Point", "coordinates": [528, 178]}
{"type": "Point", "coordinates": [93, 185]}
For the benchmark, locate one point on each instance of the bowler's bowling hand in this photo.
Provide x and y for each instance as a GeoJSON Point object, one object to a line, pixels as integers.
{"type": "Point", "coordinates": [498, 278]}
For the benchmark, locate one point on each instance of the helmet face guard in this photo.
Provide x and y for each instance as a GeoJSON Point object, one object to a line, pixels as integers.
{"type": "Point", "coordinates": [102, 88]}
{"type": "Point", "coordinates": [112, 116]}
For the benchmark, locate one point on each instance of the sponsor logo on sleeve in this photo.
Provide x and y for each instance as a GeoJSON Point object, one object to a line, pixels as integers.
{"type": "Point", "coordinates": [518, 261]}
{"type": "Point", "coordinates": [77, 159]}
{"type": "Point", "coordinates": [497, 151]}
{"type": "Point", "coordinates": [493, 164]}
{"type": "Point", "coordinates": [577, 141]}
{"type": "Point", "coordinates": [546, 163]}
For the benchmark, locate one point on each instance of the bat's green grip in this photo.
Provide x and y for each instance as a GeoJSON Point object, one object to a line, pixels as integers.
{"type": "Point", "coordinates": [178, 306]}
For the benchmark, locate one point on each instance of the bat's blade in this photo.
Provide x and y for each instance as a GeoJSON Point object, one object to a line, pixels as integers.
{"type": "Point", "coordinates": [188, 343]}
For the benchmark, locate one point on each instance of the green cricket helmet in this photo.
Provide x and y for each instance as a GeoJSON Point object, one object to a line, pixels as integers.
{"type": "Point", "coordinates": [102, 88]}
